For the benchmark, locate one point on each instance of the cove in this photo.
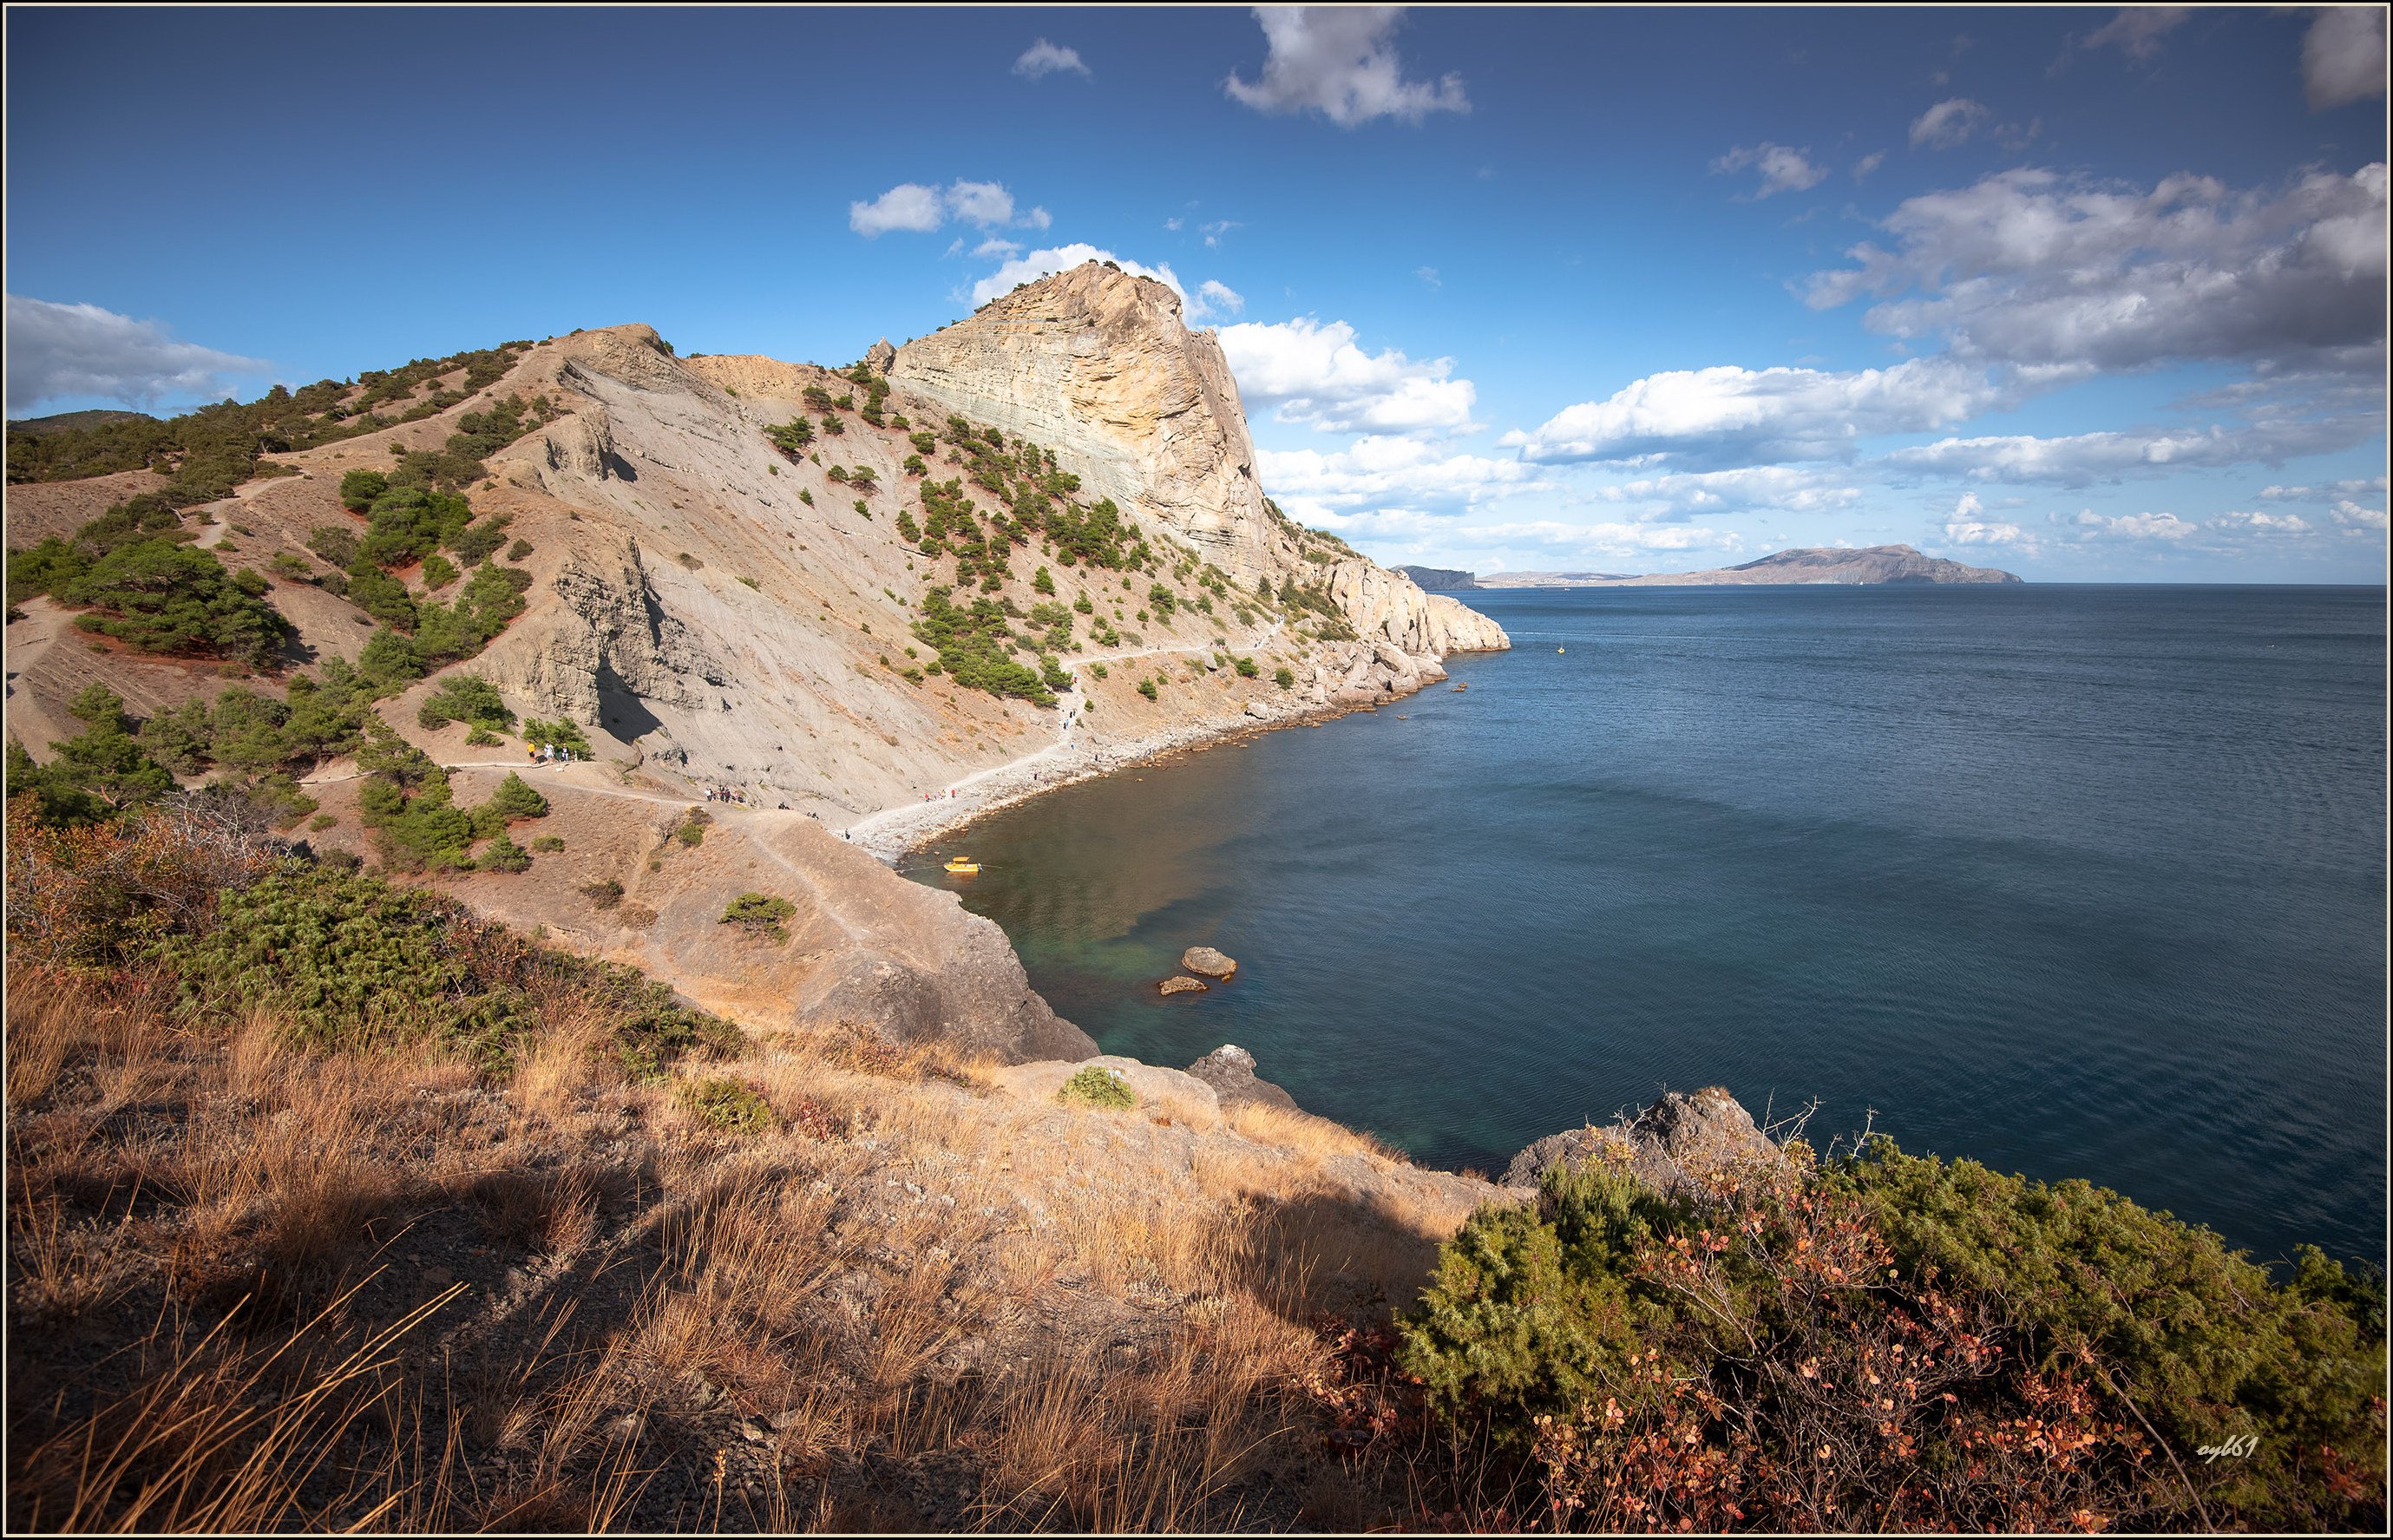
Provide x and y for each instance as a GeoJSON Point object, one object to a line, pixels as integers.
{"type": "Point", "coordinates": [2074, 881]}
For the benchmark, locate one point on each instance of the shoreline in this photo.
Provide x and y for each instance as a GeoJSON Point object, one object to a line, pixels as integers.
{"type": "Point", "coordinates": [900, 831]}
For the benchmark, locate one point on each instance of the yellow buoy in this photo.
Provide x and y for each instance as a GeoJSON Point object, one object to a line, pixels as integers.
{"type": "Point", "coordinates": [1561, 649]}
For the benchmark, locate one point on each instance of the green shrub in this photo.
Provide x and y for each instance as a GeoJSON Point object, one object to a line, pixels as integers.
{"type": "Point", "coordinates": [727, 1104]}
{"type": "Point", "coordinates": [465, 697]}
{"type": "Point", "coordinates": [93, 776]}
{"type": "Point", "coordinates": [1097, 1087]}
{"type": "Point", "coordinates": [691, 831]}
{"type": "Point", "coordinates": [359, 489]}
{"type": "Point", "coordinates": [156, 596]}
{"type": "Point", "coordinates": [519, 549]}
{"type": "Point", "coordinates": [515, 799]}
{"type": "Point", "coordinates": [760, 912]}
{"type": "Point", "coordinates": [1284, 678]}
{"type": "Point", "coordinates": [561, 733]}
{"type": "Point", "coordinates": [1146, 688]}
{"type": "Point", "coordinates": [1246, 669]}
{"type": "Point", "coordinates": [438, 571]}
{"type": "Point", "coordinates": [604, 894]}
{"type": "Point", "coordinates": [350, 962]}
{"type": "Point", "coordinates": [1929, 1346]}
{"type": "Point", "coordinates": [548, 844]}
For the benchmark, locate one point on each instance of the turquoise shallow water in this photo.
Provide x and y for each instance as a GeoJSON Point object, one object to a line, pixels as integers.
{"type": "Point", "coordinates": [2076, 880]}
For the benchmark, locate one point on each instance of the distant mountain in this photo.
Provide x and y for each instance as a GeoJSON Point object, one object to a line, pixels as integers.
{"type": "Point", "coordinates": [1873, 564]}
{"type": "Point", "coordinates": [1439, 579]}
{"type": "Point", "coordinates": [65, 422]}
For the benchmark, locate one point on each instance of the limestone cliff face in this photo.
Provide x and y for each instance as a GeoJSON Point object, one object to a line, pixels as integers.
{"type": "Point", "coordinates": [1099, 365]}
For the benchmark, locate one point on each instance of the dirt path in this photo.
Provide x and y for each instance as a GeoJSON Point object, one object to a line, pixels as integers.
{"type": "Point", "coordinates": [28, 639]}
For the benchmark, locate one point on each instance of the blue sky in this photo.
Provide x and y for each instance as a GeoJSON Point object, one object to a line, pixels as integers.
{"type": "Point", "coordinates": [2090, 294]}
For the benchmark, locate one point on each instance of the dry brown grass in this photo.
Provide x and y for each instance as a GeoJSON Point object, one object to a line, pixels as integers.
{"type": "Point", "coordinates": [380, 1290]}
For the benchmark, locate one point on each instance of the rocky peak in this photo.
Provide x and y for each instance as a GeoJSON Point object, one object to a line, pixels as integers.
{"type": "Point", "coordinates": [1099, 365]}
{"type": "Point", "coordinates": [880, 356]}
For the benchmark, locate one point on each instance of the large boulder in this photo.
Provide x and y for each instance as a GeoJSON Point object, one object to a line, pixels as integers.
{"type": "Point", "coordinates": [1671, 1146]}
{"type": "Point", "coordinates": [1230, 1070]}
{"type": "Point", "coordinates": [1205, 960]}
{"type": "Point", "coordinates": [1182, 985]}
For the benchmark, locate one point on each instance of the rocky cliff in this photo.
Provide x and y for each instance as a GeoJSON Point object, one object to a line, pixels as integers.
{"type": "Point", "coordinates": [1100, 366]}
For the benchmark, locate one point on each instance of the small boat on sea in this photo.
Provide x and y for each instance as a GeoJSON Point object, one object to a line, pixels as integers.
{"type": "Point", "coordinates": [962, 864]}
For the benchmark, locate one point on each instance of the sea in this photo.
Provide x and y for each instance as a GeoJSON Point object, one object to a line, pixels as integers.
{"type": "Point", "coordinates": [2073, 880]}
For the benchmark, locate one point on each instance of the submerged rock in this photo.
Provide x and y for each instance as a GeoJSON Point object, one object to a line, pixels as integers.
{"type": "Point", "coordinates": [1230, 1070]}
{"type": "Point", "coordinates": [1671, 1146]}
{"type": "Point", "coordinates": [1180, 984]}
{"type": "Point", "coordinates": [1205, 960]}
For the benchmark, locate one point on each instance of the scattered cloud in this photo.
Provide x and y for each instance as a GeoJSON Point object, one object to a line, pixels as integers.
{"type": "Point", "coordinates": [1868, 164]}
{"type": "Point", "coordinates": [1429, 276]}
{"type": "Point", "coordinates": [981, 204]}
{"type": "Point", "coordinates": [2035, 266]}
{"type": "Point", "coordinates": [1173, 223]}
{"type": "Point", "coordinates": [2351, 515]}
{"type": "Point", "coordinates": [1385, 473]}
{"type": "Point", "coordinates": [1745, 416]}
{"type": "Point", "coordinates": [1213, 231]}
{"type": "Point", "coordinates": [1036, 265]}
{"type": "Point", "coordinates": [1315, 374]}
{"type": "Point", "coordinates": [995, 246]}
{"type": "Point", "coordinates": [1340, 61]}
{"type": "Point", "coordinates": [2331, 492]}
{"type": "Point", "coordinates": [1949, 123]}
{"type": "Point", "coordinates": [1782, 169]}
{"type": "Point", "coordinates": [2138, 527]}
{"type": "Point", "coordinates": [2080, 459]}
{"type": "Point", "coordinates": [913, 206]}
{"type": "Point", "coordinates": [906, 206]}
{"type": "Point", "coordinates": [1215, 297]}
{"type": "Point", "coordinates": [1968, 525]}
{"type": "Point", "coordinates": [2260, 523]}
{"type": "Point", "coordinates": [69, 351]}
{"type": "Point", "coordinates": [1686, 495]}
{"type": "Point", "coordinates": [2343, 56]}
{"type": "Point", "coordinates": [2137, 31]}
{"type": "Point", "coordinates": [1043, 58]}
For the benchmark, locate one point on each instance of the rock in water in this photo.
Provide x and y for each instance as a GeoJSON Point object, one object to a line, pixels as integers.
{"type": "Point", "coordinates": [1182, 985]}
{"type": "Point", "coordinates": [1671, 1146]}
{"type": "Point", "coordinates": [1230, 1070]}
{"type": "Point", "coordinates": [1205, 960]}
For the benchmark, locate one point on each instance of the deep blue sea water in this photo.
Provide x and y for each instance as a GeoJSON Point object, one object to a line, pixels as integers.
{"type": "Point", "coordinates": [2074, 881]}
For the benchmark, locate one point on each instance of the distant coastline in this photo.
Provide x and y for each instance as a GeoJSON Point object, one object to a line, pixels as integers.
{"type": "Point", "coordinates": [1819, 565]}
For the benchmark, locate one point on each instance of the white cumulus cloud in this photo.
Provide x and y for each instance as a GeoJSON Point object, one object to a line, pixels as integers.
{"type": "Point", "coordinates": [2331, 492]}
{"type": "Point", "coordinates": [1753, 415]}
{"type": "Point", "coordinates": [1215, 297]}
{"type": "Point", "coordinates": [1868, 164]}
{"type": "Point", "coordinates": [2343, 56]}
{"type": "Point", "coordinates": [1968, 525]}
{"type": "Point", "coordinates": [1036, 265]}
{"type": "Point", "coordinates": [906, 206]}
{"type": "Point", "coordinates": [2035, 266]}
{"type": "Point", "coordinates": [1340, 61]}
{"type": "Point", "coordinates": [1782, 169]}
{"type": "Point", "coordinates": [913, 206]}
{"type": "Point", "coordinates": [1687, 494]}
{"type": "Point", "coordinates": [1949, 123]}
{"type": "Point", "coordinates": [2351, 515]}
{"type": "Point", "coordinates": [1314, 373]}
{"type": "Point", "coordinates": [1381, 472]}
{"type": "Point", "coordinates": [1043, 58]}
{"type": "Point", "coordinates": [64, 351]}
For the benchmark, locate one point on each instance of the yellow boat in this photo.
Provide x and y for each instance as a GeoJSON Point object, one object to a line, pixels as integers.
{"type": "Point", "coordinates": [963, 865]}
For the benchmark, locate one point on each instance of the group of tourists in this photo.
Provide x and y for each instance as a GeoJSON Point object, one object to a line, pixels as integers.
{"type": "Point", "coordinates": [549, 753]}
{"type": "Point", "coordinates": [726, 794]}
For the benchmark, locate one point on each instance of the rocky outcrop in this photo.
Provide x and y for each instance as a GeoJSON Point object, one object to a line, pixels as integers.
{"type": "Point", "coordinates": [1098, 365]}
{"type": "Point", "coordinates": [1206, 961]}
{"type": "Point", "coordinates": [1230, 1070]}
{"type": "Point", "coordinates": [1671, 1146]}
{"type": "Point", "coordinates": [613, 639]}
{"type": "Point", "coordinates": [880, 356]}
{"type": "Point", "coordinates": [1180, 984]}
